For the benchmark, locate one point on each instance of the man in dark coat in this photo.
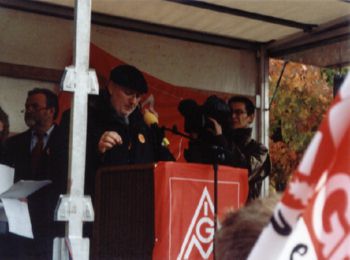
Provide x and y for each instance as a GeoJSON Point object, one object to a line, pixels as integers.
{"type": "Point", "coordinates": [44, 139]}
{"type": "Point", "coordinates": [234, 144]}
{"type": "Point", "coordinates": [247, 152]}
{"type": "Point", "coordinates": [118, 135]}
{"type": "Point", "coordinates": [117, 132]}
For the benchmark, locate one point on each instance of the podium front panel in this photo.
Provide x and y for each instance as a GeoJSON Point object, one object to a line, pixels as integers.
{"type": "Point", "coordinates": [184, 204]}
{"type": "Point", "coordinates": [124, 207]}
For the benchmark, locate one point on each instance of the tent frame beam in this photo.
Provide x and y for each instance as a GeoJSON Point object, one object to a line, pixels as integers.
{"type": "Point", "coordinates": [250, 15]}
{"type": "Point", "coordinates": [333, 32]}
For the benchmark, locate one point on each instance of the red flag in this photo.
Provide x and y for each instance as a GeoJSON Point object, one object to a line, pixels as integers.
{"type": "Point", "coordinates": [313, 218]}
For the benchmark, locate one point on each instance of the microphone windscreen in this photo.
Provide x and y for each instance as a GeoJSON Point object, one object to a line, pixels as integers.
{"type": "Point", "coordinates": [150, 118]}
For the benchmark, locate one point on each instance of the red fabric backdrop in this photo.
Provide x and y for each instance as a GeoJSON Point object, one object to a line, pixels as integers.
{"type": "Point", "coordinates": [164, 97]}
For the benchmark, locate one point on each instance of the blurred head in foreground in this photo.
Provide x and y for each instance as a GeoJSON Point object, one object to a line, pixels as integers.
{"type": "Point", "coordinates": [241, 228]}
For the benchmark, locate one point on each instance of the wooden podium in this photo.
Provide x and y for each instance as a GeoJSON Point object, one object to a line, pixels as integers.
{"type": "Point", "coordinates": [124, 212]}
{"type": "Point", "coordinates": [161, 211]}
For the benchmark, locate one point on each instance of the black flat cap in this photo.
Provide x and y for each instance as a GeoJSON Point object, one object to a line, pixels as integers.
{"type": "Point", "coordinates": [129, 77]}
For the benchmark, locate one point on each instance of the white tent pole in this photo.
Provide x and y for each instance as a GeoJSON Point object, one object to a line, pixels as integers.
{"type": "Point", "coordinates": [263, 91]}
{"type": "Point", "coordinates": [75, 207]}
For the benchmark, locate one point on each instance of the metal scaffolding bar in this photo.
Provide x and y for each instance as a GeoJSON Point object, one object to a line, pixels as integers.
{"type": "Point", "coordinates": [75, 207]}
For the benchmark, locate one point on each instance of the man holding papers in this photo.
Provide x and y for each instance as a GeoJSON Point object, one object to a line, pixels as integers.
{"type": "Point", "coordinates": [40, 153]}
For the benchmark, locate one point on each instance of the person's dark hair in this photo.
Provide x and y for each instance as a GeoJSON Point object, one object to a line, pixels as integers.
{"type": "Point", "coordinates": [249, 105]}
{"type": "Point", "coordinates": [5, 121]}
{"type": "Point", "coordinates": [51, 98]}
{"type": "Point", "coordinates": [241, 228]}
{"type": "Point", "coordinates": [129, 77]}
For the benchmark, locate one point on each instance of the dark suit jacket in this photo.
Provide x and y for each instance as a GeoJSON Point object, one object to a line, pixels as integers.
{"type": "Point", "coordinates": [53, 167]}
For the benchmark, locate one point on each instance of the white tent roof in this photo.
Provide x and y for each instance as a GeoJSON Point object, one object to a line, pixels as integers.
{"type": "Point", "coordinates": [205, 19]}
{"type": "Point", "coordinates": [282, 26]}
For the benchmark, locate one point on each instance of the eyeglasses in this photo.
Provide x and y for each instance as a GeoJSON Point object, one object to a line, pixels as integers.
{"type": "Point", "coordinates": [33, 107]}
{"type": "Point", "coordinates": [131, 93]}
{"type": "Point", "coordinates": [238, 112]}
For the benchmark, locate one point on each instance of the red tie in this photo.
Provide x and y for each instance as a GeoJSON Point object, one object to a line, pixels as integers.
{"type": "Point", "coordinates": [37, 152]}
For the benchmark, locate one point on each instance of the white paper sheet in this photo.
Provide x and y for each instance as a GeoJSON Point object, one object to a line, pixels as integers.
{"type": "Point", "coordinates": [23, 189]}
{"type": "Point", "coordinates": [18, 217]}
{"type": "Point", "coordinates": [6, 177]}
{"type": "Point", "coordinates": [16, 211]}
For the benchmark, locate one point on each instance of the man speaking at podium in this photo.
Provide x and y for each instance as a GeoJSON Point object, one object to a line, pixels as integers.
{"type": "Point", "coordinates": [118, 135]}
{"type": "Point", "coordinates": [116, 126]}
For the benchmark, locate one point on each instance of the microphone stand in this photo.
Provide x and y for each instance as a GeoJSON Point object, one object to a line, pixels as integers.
{"type": "Point", "coordinates": [175, 131]}
{"type": "Point", "coordinates": [218, 156]}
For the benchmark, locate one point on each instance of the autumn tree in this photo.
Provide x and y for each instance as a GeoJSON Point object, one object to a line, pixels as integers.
{"type": "Point", "coordinates": [297, 108]}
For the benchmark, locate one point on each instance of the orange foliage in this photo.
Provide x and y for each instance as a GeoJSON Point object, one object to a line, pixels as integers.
{"type": "Point", "coordinates": [295, 114]}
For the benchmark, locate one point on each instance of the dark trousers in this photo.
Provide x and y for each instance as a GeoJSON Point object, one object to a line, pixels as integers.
{"type": "Point", "coordinates": [13, 247]}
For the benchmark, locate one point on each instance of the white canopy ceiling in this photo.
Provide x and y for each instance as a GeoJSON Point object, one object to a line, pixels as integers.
{"type": "Point", "coordinates": [204, 18]}
{"type": "Point", "coordinates": [283, 27]}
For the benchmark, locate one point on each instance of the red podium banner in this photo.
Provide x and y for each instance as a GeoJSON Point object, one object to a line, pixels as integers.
{"type": "Point", "coordinates": [184, 207]}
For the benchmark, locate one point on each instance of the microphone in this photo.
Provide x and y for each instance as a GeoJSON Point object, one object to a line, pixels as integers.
{"type": "Point", "coordinates": [150, 118]}
{"type": "Point", "coordinates": [151, 121]}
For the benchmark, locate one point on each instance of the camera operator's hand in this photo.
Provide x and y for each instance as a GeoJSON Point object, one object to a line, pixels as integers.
{"type": "Point", "coordinates": [217, 130]}
{"type": "Point", "coordinates": [108, 140]}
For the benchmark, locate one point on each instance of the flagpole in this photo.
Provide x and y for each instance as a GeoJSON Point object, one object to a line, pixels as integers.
{"type": "Point", "coordinates": [75, 207]}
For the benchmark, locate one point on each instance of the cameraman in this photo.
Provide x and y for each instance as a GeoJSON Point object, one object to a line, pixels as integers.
{"type": "Point", "coordinates": [205, 125]}
{"type": "Point", "coordinates": [225, 138]}
{"type": "Point", "coordinates": [245, 151]}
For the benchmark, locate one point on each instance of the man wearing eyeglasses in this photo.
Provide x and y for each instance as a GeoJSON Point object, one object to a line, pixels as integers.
{"type": "Point", "coordinates": [40, 153]}
{"type": "Point", "coordinates": [118, 135]}
{"type": "Point", "coordinates": [248, 152]}
{"type": "Point", "coordinates": [240, 149]}
{"type": "Point", "coordinates": [116, 127]}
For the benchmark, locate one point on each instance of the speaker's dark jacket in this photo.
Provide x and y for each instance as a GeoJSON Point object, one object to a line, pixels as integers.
{"type": "Point", "coordinates": [141, 145]}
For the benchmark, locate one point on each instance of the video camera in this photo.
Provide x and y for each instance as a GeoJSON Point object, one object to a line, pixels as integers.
{"type": "Point", "coordinates": [196, 116]}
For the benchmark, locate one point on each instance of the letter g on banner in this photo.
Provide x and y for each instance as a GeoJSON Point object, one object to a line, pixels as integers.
{"type": "Point", "coordinates": [209, 230]}
{"type": "Point", "coordinates": [331, 217]}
